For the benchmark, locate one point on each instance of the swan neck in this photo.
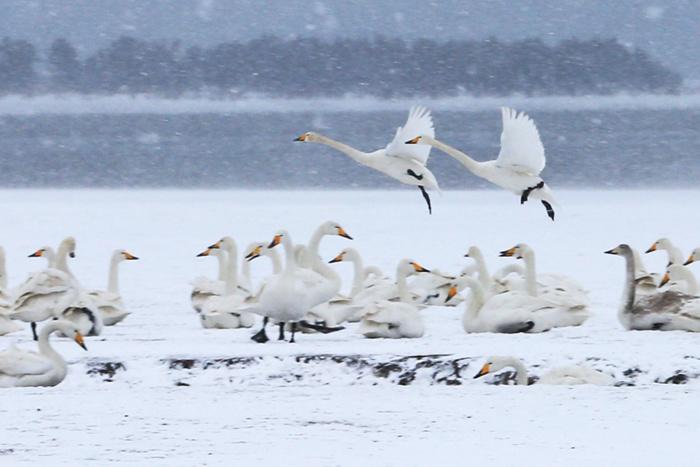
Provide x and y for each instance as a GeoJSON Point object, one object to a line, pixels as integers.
{"type": "Point", "coordinates": [276, 262]}
{"type": "Point", "coordinates": [61, 260]}
{"type": "Point", "coordinates": [113, 277]}
{"type": "Point", "coordinates": [221, 258]}
{"type": "Point", "coordinates": [630, 284]}
{"type": "Point", "coordinates": [521, 376]}
{"type": "Point", "coordinates": [45, 347]}
{"type": "Point", "coordinates": [232, 269]}
{"type": "Point", "coordinates": [358, 277]}
{"type": "Point", "coordinates": [315, 241]}
{"type": "Point", "coordinates": [290, 259]}
{"type": "Point", "coordinates": [353, 153]}
{"type": "Point", "coordinates": [402, 286]}
{"type": "Point", "coordinates": [484, 276]}
{"type": "Point", "coordinates": [477, 300]}
{"type": "Point", "coordinates": [465, 160]}
{"type": "Point", "coordinates": [530, 273]}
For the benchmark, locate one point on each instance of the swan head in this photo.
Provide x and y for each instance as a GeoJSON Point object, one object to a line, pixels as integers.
{"type": "Point", "coordinates": [408, 267]}
{"type": "Point", "coordinates": [473, 252]}
{"type": "Point", "coordinates": [278, 238]}
{"type": "Point", "coordinates": [125, 255]}
{"type": "Point", "coordinates": [68, 244]}
{"type": "Point", "coordinates": [255, 251]}
{"type": "Point", "coordinates": [225, 242]}
{"type": "Point", "coordinates": [42, 252]}
{"type": "Point", "coordinates": [308, 137]}
{"type": "Point", "coordinates": [660, 244]}
{"type": "Point", "coordinates": [694, 256]}
{"type": "Point", "coordinates": [518, 251]}
{"type": "Point", "coordinates": [620, 250]}
{"type": "Point", "coordinates": [333, 228]}
{"type": "Point", "coordinates": [68, 329]}
{"type": "Point", "coordinates": [348, 254]}
{"type": "Point", "coordinates": [417, 140]}
{"type": "Point", "coordinates": [494, 364]}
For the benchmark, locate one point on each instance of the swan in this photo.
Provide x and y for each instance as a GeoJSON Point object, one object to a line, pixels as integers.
{"type": "Point", "coordinates": [46, 293]}
{"type": "Point", "coordinates": [513, 311]}
{"type": "Point", "coordinates": [395, 319]}
{"type": "Point", "coordinates": [256, 250]}
{"type": "Point", "coordinates": [568, 375]}
{"type": "Point", "coordinates": [45, 368]}
{"type": "Point", "coordinates": [306, 257]}
{"type": "Point", "coordinates": [204, 288]}
{"type": "Point", "coordinates": [694, 256]}
{"type": "Point", "coordinates": [7, 325]}
{"type": "Point", "coordinates": [289, 295]}
{"type": "Point", "coordinates": [560, 289]}
{"type": "Point", "coordinates": [681, 279]}
{"type": "Point", "coordinates": [499, 282]}
{"type": "Point", "coordinates": [109, 302]}
{"type": "Point", "coordinates": [675, 255]}
{"type": "Point", "coordinates": [518, 165]}
{"type": "Point", "coordinates": [667, 310]}
{"type": "Point", "coordinates": [399, 161]}
{"type": "Point", "coordinates": [225, 312]}
{"type": "Point", "coordinates": [647, 283]}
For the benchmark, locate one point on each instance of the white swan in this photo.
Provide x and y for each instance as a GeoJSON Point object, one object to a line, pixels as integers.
{"type": "Point", "coordinates": [514, 311]}
{"type": "Point", "coordinates": [402, 162]}
{"type": "Point", "coordinates": [45, 368]}
{"type": "Point", "coordinates": [681, 279]}
{"type": "Point", "coordinates": [109, 302]}
{"type": "Point", "coordinates": [675, 255]}
{"type": "Point", "coordinates": [694, 256]}
{"type": "Point", "coordinates": [518, 165]}
{"type": "Point", "coordinates": [204, 288]}
{"type": "Point", "coordinates": [667, 310]}
{"type": "Point", "coordinates": [225, 312]}
{"type": "Point", "coordinates": [568, 375]}
{"type": "Point", "coordinates": [46, 293]}
{"type": "Point", "coordinates": [256, 250]}
{"type": "Point", "coordinates": [307, 257]}
{"type": "Point", "coordinates": [7, 325]}
{"type": "Point", "coordinates": [289, 295]}
{"type": "Point", "coordinates": [500, 282]}
{"type": "Point", "coordinates": [395, 319]}
{"type": "Point", "coordinates": [556, 288]}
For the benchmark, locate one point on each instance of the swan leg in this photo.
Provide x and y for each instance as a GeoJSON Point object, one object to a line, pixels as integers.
{"type": "Point", "coordinates": [33, 326]}
{"type": "Point", "coordinates": [550, 210]}
{"type": "Point", "coordinates": [527, 191]}
{"type": "Point", "coordinates": [261, 336]}
{"type": "Point", "coordinates": [426, 196]}
{"type": "Point", "coordinates": [280, 337]}
{"type": "Point", "coordinates": [294, 331]}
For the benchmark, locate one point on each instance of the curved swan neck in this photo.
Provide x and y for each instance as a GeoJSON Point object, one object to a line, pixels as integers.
{"type": "Point", "coordinates": [477, 300]}
{"type": "Point", "coordinates": [484, 276]}
{"type": "Point", "coordinates": [61, 260]}
{"type": "Point", "coordinates": [113, 277]}
{"type": "Point", "coordinates": [45, 347]}
{"type": "Point", "coordinates": [232, 268]}
{"type": "Point", "coordinates": [358, 275]}
{"type": "Point", "coordinates": [684, 274]}
{"type": "Point", "coordinates": [521, 377]}
{"type": "Point", "coordinates": [402, 285]}
{"type": "Point", "coordinates": [315, 241]}
{"type": "Point", "coordinates": [289, 257]}
{"type": "Point", "coordinates": [353, 153]}
{"type": "Point", "coordinates": [276, 262]}
{"type": "Point", "coordinates": [465, 160]}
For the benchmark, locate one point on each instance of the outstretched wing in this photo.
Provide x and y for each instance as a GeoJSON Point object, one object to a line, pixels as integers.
{"type": "Point", "coordinates": [521, 147]}
{"type": "Point", "coordinates": [419, 123]}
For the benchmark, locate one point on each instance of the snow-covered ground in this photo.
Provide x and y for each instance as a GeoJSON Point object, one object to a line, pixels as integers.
{"type": "Point", "coordinates": [183, 395]}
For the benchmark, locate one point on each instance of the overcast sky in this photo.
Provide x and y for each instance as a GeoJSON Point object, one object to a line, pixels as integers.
{"type": "Point", "coordinates": [669, 29]}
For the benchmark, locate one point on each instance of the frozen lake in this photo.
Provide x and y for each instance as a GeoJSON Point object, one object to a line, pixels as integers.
{"type": "Point", "coordinates": [613, 143]}
{"type": "Point", "coordinates": [248, 403]}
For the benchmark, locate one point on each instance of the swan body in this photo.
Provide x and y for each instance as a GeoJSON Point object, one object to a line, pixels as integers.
{"type": "Point", "coordinates": [568, 376]}
{"type": "Point", "coordinates": [45, 368]}
{"type": "Point", "coordinates": [204, 288]}
{"type": "Point", "coordinates": [109, 302]}
{"type": "Point", "coordinates": [226, 311]}
{"type": "Point", "coordinates": [7, 325]}
{"type": "Point", "coordinates": [679, 278]}
{"type": "Point", "coordinates": [395, 319]}
{"type": "Point", "coordinates": [667, 310]}
{"type": "Point", "coordinates": [400, 161]}
{"type": "Point", "coordinates": [47, 293]}
{"type": "Point", "coordinates": [646, 283]}
{"type": "Point", "coordinates": [519, 163]}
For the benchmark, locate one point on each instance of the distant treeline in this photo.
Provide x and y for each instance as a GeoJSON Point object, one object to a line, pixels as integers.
{"type": "Point", "coordinates": [307, 66]}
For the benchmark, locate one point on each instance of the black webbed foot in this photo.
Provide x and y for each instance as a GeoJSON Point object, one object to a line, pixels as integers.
{"type": "Point", "coordinates": [260, 337]}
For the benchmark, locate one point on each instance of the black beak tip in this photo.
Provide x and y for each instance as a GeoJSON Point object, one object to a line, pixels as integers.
{"type": "Point", "coordinates": [687, 263]}
{"type": "Point", "coordinates": [83, 346]}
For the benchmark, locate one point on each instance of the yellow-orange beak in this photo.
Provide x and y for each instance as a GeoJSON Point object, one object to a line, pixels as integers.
{"type": "Point", "coordinates": [337, 259]}
{"type": "Point", "coordinates": [451, 293]}
{"type": "Point", "coordinates": [418, 268]}
{"type": "Point", "coordinates": [301, 138]}
{"type": "Point", "coordinates": [484, 370]}
{"type": "Point", "coordinates": [664, 280]}
{"type": "Point", "coordinates": [129, 256]}
{"type": "Point", "coordinates": [276, 240]}
{"type": "Point", "coordinates": [79, 340]}
{"type": "Point", "coordinates": [37, 254]}
{"type": "Point", "coordinates": [206, 252]}
{"type": "Point", "coordinates": [215, 245]}
{"type": "Point", "coordinates": [508, 252]}
{"type": "Point", "coordinates": [651, 248]}
{"type": "Point", "coordinates": [343, 233]}
{"type": "Point", "coordinates": [414, 140]}
{"type": "Point", "coordinates": [691, 260]}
